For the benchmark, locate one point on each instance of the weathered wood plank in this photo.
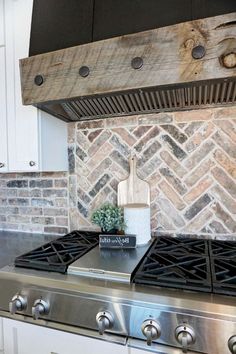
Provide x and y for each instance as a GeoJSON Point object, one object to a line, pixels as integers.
{"type": "Point", "coordinates": [166, 53]}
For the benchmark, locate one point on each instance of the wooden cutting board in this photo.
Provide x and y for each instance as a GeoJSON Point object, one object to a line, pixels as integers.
{"type": "Point", "coordinates": [133, 190]}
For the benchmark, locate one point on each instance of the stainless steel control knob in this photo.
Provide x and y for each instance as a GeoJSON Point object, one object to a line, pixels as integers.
{"type": "Point", "coordinates": [2, 164]}
{"type": "Point", "coordinates": [232, 344]}
{"type": "Point", "coordinates": [17, 303]}
{"type": "Point", "coordinates": [40, 308]}
{"type": "Point", "coordinates": [185, 336]}
{"type": "Point", "coordinates": [151, 330]}
{"type": "Point", "coordinates": [104, 321]}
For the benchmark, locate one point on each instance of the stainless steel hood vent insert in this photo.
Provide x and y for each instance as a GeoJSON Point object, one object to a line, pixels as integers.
{"type": "Point", "coordinates": [195, 95]}
{"type": "Point", "coordinates": [186, 66]}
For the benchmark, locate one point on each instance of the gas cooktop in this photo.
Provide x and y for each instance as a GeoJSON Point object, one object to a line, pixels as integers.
{"type": "Point", "coordinates": [161, 292]}
{"type": "Point", "coordinates": [188, 264]}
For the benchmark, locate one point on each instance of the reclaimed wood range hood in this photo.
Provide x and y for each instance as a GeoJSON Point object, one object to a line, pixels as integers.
{"type": "Point", "coordinates": [181, 67]}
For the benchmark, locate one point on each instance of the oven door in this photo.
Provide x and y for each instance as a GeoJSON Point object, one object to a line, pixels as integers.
{"type": "Point", "coordinates": [136, 346]}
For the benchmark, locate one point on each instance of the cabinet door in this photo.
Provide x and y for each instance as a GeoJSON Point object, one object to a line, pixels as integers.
{"type": "Point", "coordinates": [3, 122]}
{"type": "Point", "coordinates": [23, 338]}
{"type": "Point", "coordinates": [3, 126]}
{"type": "Point", "coordinates": [1, 337]}
{"type": "Point", "coordinates": [2, 40]}
{"type": "Point", "coordinates": [22, 120]}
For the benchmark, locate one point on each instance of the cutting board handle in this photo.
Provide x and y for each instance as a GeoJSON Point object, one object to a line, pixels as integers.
{"type": "Point", "coordinates": [132, 165]}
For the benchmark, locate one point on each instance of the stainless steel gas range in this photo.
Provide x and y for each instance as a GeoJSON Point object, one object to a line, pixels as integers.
{"type": "Point", "coordinates": [172, 296]}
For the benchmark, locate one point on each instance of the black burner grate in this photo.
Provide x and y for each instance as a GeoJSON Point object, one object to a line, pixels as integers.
{"type": "Point", "coordinates": [57, 255]}
{"type": "Point", "coordinates": [195, 247]}
{"type": "Point", "coordinates": [222, 249]}
{"type": "Point", "coordinates": [193, 264]}
{"type": "Point", "coordinates": [224, 275]}
{"type": "Point", "coordinates": [177, 263]}
{"type": "Point", "coordinates": [223, 264]}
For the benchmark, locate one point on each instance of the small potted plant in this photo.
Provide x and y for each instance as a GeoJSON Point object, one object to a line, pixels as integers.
{"type": "Point", "coordinates": [110, 218]}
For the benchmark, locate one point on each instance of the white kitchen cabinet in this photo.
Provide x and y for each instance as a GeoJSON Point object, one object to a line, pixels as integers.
{"type": "Point", "coordinates": [3, 114]}
{"type": "Point", "coordinates": [2, 39]}
{"type": "Point", "coordinates": [24, 338]}
{"type": "Point", "coordinates": [1, 337]}
{"type": "Point", "coordinates": [36, 140]}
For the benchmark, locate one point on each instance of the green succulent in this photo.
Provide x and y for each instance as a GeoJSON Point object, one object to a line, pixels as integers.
{"type": "Point", "coordinates": [109, 217]}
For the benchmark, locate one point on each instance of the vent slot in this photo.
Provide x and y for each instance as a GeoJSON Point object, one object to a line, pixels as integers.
{"type": "Point", "coordinates": [149, 100]}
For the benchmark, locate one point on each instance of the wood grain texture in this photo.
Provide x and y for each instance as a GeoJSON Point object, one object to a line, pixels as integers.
{"type": "Point", "coordinates": [166, 53]}
{"type": "Point", "coordinates": [133, 190]}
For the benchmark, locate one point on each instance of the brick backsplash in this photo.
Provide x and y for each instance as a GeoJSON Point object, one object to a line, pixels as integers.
{"type": "Point", "coordinates": [188, 158]}
{"type": "Point", "coordinates": [34, 202]}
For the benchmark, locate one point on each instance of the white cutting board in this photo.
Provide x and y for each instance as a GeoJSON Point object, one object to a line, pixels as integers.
{"type": "Point", "coordinates": [133, 190]}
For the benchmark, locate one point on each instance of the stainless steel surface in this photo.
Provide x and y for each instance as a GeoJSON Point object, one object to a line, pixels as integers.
{"type": "Point", "coordinates": [151, 330]}
{"type": "Point", "coordinates": [40, 308]}
{"type": "Point", "coordinates": [185, 335]}
{"type": "Point", "coordinates": [104, 321]}
{"type": "Point", "coordinates": [14, 243]}
{"type": "Point", "coordinates": [75, 302]}
{"type": "Point", "coordinates": [232, 344]}
{"type": "Point", "coordinates": [110, 264]}
{"type": "Point", "coordinates": [70, 329]}
{"type": "Point", "coordinates": [18, 303]}
{"type": "Point", "coordinates": [156, 347]}
{"type": "Point", "coordinates": [144, 100]}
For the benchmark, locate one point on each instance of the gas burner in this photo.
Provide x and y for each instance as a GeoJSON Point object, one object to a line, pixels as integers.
{"type": "Point", "coordinates": [176, 263]}
{"type": "Point", "coordinates": [57, 255]}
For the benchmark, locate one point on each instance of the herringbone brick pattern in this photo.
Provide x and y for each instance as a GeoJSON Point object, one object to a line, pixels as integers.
{"type": "Point", "coordinates": [189, 163]}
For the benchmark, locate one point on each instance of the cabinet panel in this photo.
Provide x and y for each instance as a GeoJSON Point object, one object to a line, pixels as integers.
{"type": "Point", "coordinates": [3, 117]}
{"type": "Point", "coordinates": [2, 40]}
{"type": "Point", "coordinates": [25, 338]}
{"type": "Point", "coordinates": [22, 120]}
{"type": "Point", "coordinates": [53, 143]}
{"type": "Point", "coordinates": [1, 336]}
